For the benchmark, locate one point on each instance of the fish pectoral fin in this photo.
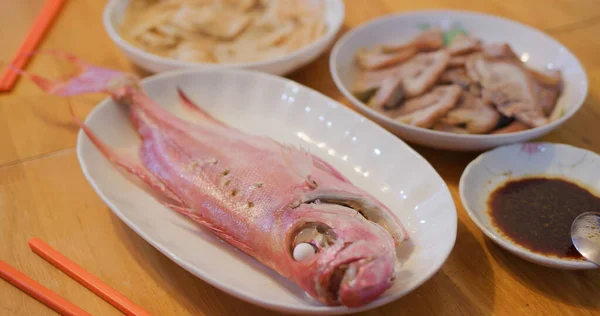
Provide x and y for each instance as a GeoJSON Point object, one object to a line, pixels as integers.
{"type": "Point", "coordinates": [300, 162]}
{"type": "Point", "coordinates": [119, 159]}
{"type": "Point", "coordinates": [198, 218]}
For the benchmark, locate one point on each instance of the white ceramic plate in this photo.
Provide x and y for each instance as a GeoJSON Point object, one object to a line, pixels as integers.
{"type": "Point", "coordinates": [534, 47]}
{"type": "Point", "coordinates": [114, 13]}
{"type": "Point", "coordinates": [263, 104]}
{"type": "Point", "coordinates": [492, 169]}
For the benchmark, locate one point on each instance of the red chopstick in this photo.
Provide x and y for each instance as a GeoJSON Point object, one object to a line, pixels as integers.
{"type": "Point", "coordinates": [38, 291]}
{"type": "Point", "coordinates": [88, 280]}
{"type": "Point", "coordinates": [36, 33]}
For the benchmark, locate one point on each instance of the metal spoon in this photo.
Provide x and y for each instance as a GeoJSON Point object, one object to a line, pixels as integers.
{"type": "Point", "coordinates": [585, 234]}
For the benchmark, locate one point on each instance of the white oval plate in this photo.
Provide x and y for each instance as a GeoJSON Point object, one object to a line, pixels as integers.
{"type": "Point", "coordinates": [492, 169]}
{"type": "Point", "coordinates": [263, 104]}
{"type": "Point", "coordinates": [536, 48]}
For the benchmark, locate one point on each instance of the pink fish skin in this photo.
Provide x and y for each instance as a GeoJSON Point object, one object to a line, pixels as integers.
{"type": "Point", "coordinates": [260, 196]}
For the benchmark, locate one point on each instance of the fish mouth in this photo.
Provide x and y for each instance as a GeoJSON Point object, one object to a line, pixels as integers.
{"type": "Point", "coordinates": [342, 274]}
{"type": "Point", "coordinates": [358, 281]}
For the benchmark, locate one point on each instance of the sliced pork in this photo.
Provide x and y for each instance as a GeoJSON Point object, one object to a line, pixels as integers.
{"type": "Point", "coordinates": [389, 55]}
{"type": "Point", "coordinates": [418, 75]}
{"type": "Point", "coordinates": [548, 97]}
{"type": "Point", "coordinates": [499, 50]}
{"type": "Point", "coordinates": [423, 71]}
{"type": "Point", "coordinates": [547, 77]}
{"type": "Point", "coordinates": [548, 88]}
{"type": "Point", "coordinates": [368, 81]}
{"type": "Point", "coordinates": [427, 41]}
{"type": "Point", "coordinates": [477, 116]}
{"type": "Point", "coordinates": [463, 44]}
{"type": "Point", "coordinates": [389, 94]}
{"type": "Point", "coordinates": [508, 85]}
{"type": "Point", "coordinates": [459, 76]}
{"type": "Point", "coordinates": [425, 110]}
{"type": "Point", "coordinates": [377, 59]}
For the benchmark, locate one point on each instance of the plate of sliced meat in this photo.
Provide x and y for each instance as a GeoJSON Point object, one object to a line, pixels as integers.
{"type": "Point", "coordinates": [458, 80]}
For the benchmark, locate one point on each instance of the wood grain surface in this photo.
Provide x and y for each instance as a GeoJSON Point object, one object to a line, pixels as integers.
{"type": "Point", "coordinates": [43, 192]}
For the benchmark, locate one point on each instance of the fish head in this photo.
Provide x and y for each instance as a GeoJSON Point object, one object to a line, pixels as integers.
{"type": "Point", "coordinates": [354, 257]}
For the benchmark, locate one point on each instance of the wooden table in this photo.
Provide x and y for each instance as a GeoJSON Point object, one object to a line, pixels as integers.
{"type": "Point", "coordinates": [43, 192]}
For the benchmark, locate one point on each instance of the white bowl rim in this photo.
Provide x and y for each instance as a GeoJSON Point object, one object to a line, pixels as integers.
{"type": "Point", "coordinates": [116, 37]}
{"type": "Point", "coordinates": [503, 241]}
{"type": "Point", "coordinates": [327, 310]}
{"type": "Point", "coordinates": [500, 137]}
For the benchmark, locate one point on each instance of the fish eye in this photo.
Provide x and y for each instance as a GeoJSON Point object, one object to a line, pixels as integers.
{"type": "Point", "coordinates": [304, 251]}
{"type": "Point", "coordinates": [314, 237]}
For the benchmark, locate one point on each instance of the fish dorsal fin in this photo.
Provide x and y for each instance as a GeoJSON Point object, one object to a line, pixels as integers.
{"type": "Point", "coordinates": [188, 104]}
{"type": "Point", "coordinates": [300, 161]}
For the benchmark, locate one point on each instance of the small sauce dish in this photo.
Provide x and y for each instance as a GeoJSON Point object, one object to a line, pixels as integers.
{"type": "Point", "coordinates": [559, 176]}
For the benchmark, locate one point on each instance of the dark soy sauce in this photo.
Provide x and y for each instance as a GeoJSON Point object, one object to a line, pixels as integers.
{"type": "Point", "coordinates": [537, 213]}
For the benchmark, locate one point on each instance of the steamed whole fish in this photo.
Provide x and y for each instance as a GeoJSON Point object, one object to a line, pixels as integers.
{"type": "Point", "coordinates": [265, 198]}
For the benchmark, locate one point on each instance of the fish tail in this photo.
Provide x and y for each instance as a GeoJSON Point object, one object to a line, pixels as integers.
{"type": "Point", "coordinates": [87, 78]}
{"type": "Point", "coordinates": [130, 166]}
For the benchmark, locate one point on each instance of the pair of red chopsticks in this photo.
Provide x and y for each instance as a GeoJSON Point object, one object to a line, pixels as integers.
{"type": "Point", "coordinates": [36, 33]}
{"type": "Point", "coordinates": [53, 300]}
